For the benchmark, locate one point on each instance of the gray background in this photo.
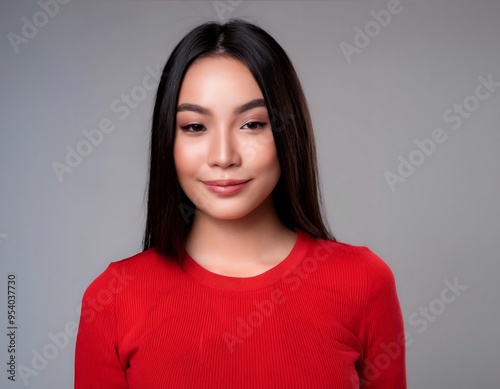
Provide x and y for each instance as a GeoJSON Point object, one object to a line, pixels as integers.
{"type": "Point", "coordinates": [441, 223]}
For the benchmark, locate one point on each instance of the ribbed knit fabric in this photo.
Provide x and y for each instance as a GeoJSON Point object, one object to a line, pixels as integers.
{"type": "Point", "coordinates": [327, 316]}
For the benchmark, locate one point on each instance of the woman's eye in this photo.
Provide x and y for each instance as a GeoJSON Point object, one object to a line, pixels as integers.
{"type": "Point", "coordinates": [200, 128]}
{"type": "Point", "coordinates": [192, 128]}
{"type": "Point", "coordinates": [255, 125]}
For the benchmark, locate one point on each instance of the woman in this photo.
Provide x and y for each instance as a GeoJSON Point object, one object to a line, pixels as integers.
{"type": "Point", "coordinates": [240, 284]}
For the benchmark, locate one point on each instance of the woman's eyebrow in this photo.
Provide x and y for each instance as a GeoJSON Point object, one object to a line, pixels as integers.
{"type": "Point", "coordinates": [205, 111]}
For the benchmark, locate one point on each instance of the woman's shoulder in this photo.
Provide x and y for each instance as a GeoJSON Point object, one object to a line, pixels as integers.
{"type": "Point", "coordinates": [145, 266]}
{"type": "Point", "coordinates": [357, 261]}
{"type": "Point", "coordinates": [147, 260]}
{"type": "Point", "coordinates": [343, 251]}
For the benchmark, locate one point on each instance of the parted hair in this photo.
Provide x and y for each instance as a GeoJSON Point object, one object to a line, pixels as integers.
{"type": "Point", "coordinates": [297, 196]}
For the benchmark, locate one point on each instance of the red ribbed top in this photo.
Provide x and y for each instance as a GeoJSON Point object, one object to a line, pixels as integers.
{"type": "Point", "coordinates": [326, 316]}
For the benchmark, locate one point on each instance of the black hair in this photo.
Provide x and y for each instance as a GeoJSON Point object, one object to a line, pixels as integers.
{"type": "Point", "coordinates": [297, 197]}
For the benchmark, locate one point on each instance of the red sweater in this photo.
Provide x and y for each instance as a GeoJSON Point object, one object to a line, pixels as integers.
{"type": "Point", "coordinates": [327, 316]}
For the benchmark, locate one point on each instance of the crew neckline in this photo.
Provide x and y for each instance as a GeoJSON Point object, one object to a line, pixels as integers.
{"type": "Point", "coordinates": [267, 278]}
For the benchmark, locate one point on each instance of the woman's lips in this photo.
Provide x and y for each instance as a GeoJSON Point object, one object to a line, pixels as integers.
{"type": "Point", "coordinates": [235, 186]}
{"type": "Point", "coordinates": [225, 182]}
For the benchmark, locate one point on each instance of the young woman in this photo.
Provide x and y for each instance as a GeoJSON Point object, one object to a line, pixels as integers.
{"type": "Point", "coordinates": [240, 284]}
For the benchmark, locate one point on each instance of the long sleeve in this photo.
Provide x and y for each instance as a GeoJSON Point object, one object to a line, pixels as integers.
{"type": "Point", "coordinates": [326, 316]}
{"type": "Point", "coordinates": [382, 329]}
{"type": "Point", "coordinates": [96, 361]}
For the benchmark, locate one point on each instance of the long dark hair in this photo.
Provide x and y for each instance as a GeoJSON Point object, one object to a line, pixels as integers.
{"type": "Point", "coordinates": [297, 197]}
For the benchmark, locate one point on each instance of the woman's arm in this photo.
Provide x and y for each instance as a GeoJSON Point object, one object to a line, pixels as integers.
{"type": "Point", "coordinates": [97, 365]}
{"type": "Point", "coordinates": [382, 329]}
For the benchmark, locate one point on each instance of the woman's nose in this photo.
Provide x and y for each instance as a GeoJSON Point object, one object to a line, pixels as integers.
{"type": "Point", "coordinates": [223, 148]}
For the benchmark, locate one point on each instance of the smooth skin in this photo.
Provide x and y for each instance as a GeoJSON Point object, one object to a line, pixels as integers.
{"type": "Point", "coordinates": [238, 235]}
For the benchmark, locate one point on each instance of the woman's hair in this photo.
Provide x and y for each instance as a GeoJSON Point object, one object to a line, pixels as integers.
{"type": "Point", "coordinates": [296, 197]}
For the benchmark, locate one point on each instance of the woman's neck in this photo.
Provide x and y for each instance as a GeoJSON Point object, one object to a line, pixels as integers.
{"type": "Point", "coordinates": [242, 247]}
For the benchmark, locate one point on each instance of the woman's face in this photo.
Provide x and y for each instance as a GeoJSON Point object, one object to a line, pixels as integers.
{"type": "Point", "coordinates": [223, 133]}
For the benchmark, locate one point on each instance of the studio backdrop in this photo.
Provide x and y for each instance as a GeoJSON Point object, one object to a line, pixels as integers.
{"type": "Point", "coordinates": [404, 97]}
